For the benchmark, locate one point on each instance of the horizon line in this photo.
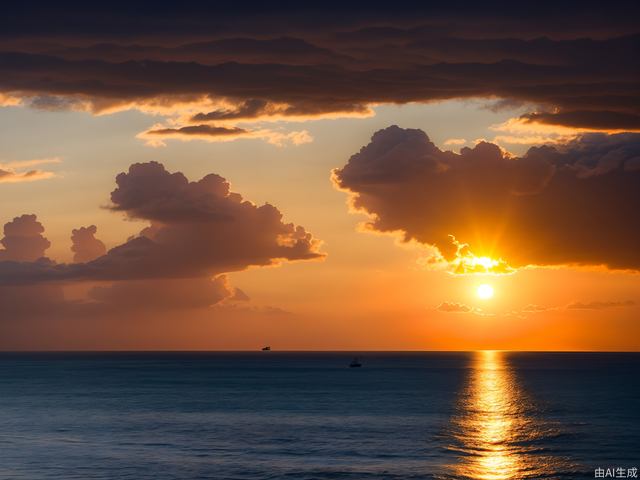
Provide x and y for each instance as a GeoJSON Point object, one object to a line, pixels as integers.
{"type": "Point", "coordinates": [259, 350]}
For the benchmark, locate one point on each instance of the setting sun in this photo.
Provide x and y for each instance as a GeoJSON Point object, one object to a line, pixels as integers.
{"type": "Point", "coordinates": [485, 291]}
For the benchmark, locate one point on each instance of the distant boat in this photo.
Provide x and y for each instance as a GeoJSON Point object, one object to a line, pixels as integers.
{"type": "Point", "coordinates": [266, 349]}
{"type": "Point", "coordinates": [355, 363]}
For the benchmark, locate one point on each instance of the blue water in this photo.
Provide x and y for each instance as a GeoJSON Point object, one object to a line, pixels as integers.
{"type": "Point", "coordinates": [273, 415]}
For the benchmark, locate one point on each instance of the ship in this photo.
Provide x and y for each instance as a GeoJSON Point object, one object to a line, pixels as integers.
{"type": "Point", "coordinates": [355, 363]}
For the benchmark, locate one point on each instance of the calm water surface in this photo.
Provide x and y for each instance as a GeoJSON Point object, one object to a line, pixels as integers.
{"type": "Point", "coordinates": [276, 415]}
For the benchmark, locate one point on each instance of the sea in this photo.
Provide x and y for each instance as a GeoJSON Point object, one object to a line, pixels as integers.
{"type": "Point", "coordinates": [302, 415]}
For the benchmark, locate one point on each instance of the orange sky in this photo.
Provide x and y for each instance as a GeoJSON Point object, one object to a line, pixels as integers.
{"type": "Point", "coordinates": [370, 292]}
{"type": "Point", "coordinates": [228, 180]}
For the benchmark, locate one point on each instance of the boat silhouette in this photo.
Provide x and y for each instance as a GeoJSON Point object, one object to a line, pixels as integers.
{"type": "Point", "coordinates": [266, 349]}
{"type": "Point", "coordinates": [355, 363]}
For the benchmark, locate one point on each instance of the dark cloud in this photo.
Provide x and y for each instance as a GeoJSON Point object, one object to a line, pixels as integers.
{"type": "Point", "coordinates": [85, 246]}
{"type": "Point", "coordinates": [247, 50]}
{"type": "Point", "coordinates": [310, 61]}
{"type": "Point", "coordinates": [197, 230]}
{"type": "Point", "coordinates": [157, 136]}
{"type": "Point", "coordinates": [570, 204]}
{"type": "Point", "coordinates": [250, 109]}
{"type": "Point", "coordinates": [52, 103]}
{"type": "Point", "coordinates": [23, 240]}
{"type": "Point", "coordinates": [256, 109]}
{"type": "Point", "coordinates": [379, 19]}
{"type": "Point", "coordinates": [203, 130]}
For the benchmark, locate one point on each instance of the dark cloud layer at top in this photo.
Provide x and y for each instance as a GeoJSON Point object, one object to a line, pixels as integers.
{"type": "Point", "coordinates": [122, 19]}
{"type": "Point", "coordinates": [577, 64]}
{"type": "Point", "coordinates": [571, 204]}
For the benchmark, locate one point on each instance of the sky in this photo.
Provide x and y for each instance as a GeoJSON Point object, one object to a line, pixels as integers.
{"type": "Point", "coordinates": [433, 177]}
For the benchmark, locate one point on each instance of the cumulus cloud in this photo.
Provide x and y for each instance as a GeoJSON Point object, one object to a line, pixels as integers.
{"type": "Point", "coordinates": [305, 63]}
{"type": "Point", "coordinates": [196, 230]}
{"type": "Point", "coordinates": [574, 203]}
{"type": "Point", "coordinates": [85, 246]}
{"type": "Point", "coordinates": [23, 240]}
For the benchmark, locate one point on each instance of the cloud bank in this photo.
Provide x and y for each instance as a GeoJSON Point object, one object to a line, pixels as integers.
{"type": "Point", "coordinates": [218, 66]}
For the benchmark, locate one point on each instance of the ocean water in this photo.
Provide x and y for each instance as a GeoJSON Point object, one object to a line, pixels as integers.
{"type": "Point", "coordinates": [281, 415]}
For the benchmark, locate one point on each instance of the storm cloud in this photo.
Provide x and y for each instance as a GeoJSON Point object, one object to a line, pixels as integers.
{"type": "Point", "coordinates": [575, 203]}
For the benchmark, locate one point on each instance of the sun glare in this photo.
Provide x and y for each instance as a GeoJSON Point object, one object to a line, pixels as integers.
{"type": "Point", "coordinates": [484, 291]}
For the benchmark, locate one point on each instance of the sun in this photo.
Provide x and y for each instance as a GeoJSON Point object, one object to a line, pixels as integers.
{"type": "Point", "coordinates": [485, 291]}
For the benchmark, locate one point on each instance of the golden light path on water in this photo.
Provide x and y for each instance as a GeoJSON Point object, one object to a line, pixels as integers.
{"type": "Point", "coordinates": [493, 396]}
{"type": "Point", "coordinates": [494, 432]}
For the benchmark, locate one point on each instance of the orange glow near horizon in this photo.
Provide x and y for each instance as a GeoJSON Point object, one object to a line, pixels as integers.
{"type": "Point", "coordinates": [367, 294]}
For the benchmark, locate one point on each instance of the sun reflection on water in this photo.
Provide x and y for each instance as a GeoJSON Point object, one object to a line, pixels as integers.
{"type": "Point", "coordinates": [494, 431]}
{"type": "Point", "coordinates": [493, 397]}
